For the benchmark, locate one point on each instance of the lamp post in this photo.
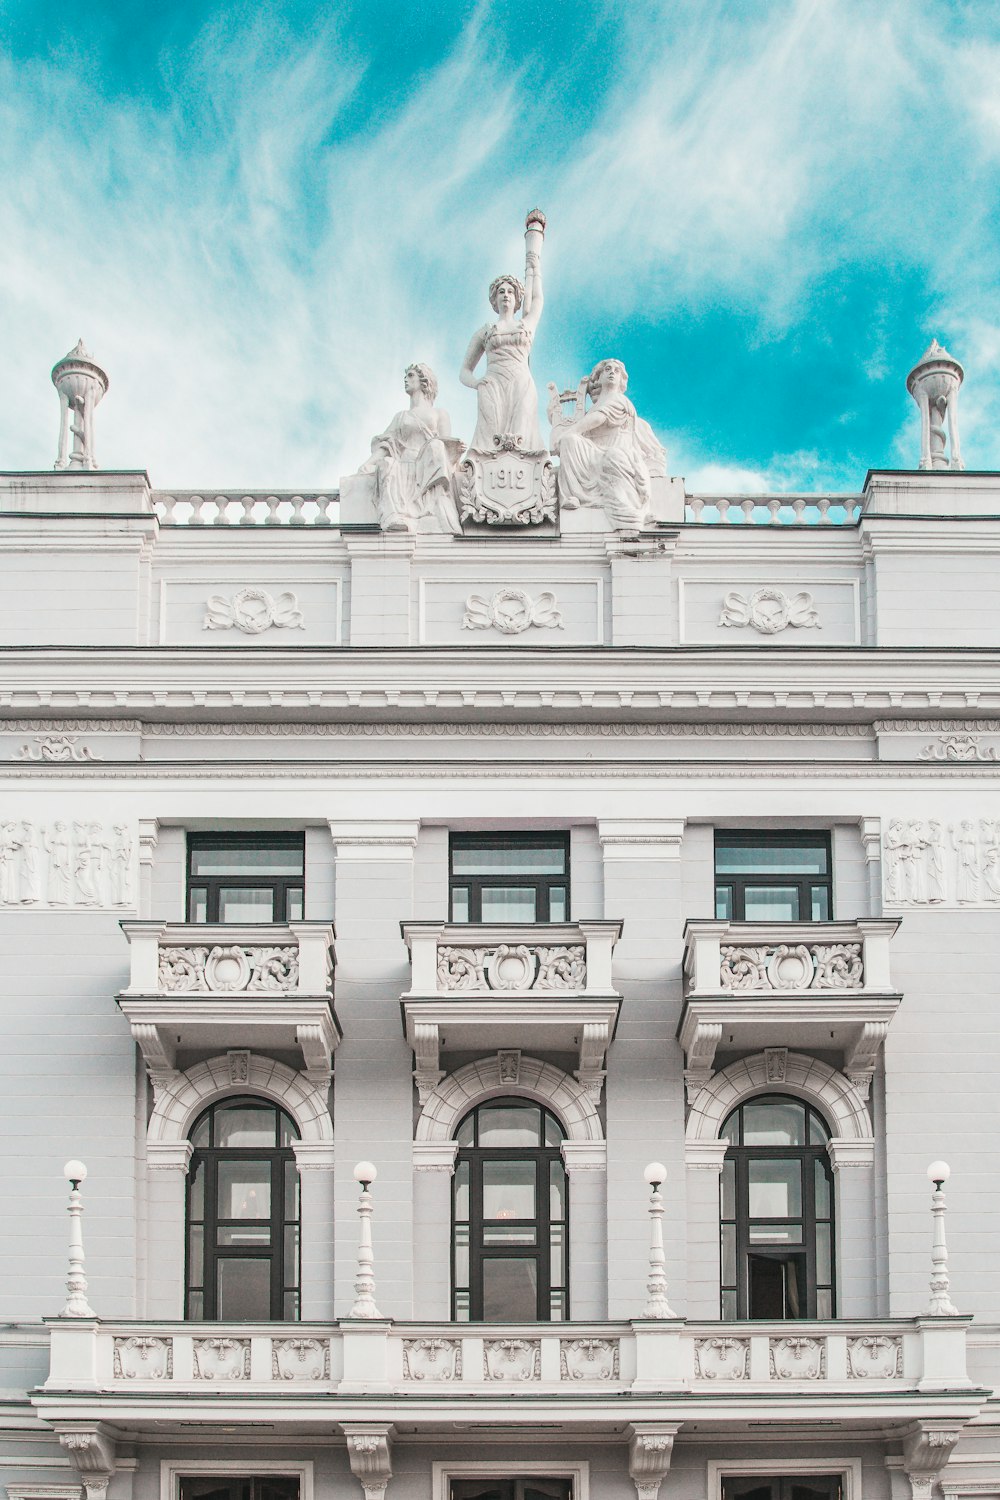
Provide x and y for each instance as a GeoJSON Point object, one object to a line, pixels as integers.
{"type": "Point", "coordinates": [364, 1303]}
{"type": "Point", "coordinates": [77, 1305]}
{"type": "Point", "coordinates": [657, 1306]}
{"type": "Point", "coordinates": [941, 1304]}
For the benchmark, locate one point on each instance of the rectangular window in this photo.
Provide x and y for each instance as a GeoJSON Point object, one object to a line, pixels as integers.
{"type": "Point", "coordinates": [517, 877]}
{"type": "Point", "coordinates": [511, 1488]}
{"type": "Point", "coordinates": [246, 877]}
{"type": "Point", "coordinates": [773, 877]}
{"type": "Point", "coordinates": [785, 1487]}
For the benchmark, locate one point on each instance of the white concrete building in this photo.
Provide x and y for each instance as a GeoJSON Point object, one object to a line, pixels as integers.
{"type": "Point", "coordinates": [652, 829]}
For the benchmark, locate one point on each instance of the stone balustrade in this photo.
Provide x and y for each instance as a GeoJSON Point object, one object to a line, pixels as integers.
{"type": "Point", "coordinates": [500, 960]}
{"type": "Point", "coordinates": [256, 508]}
{"type": "Point", "coordinates": [785, 957]}
{"type": "Point", "coordinates": [225, 959]}
{"type": "Point", "coordinates": [898, 1357]}
{"type": "Point", "coordinates": [774, 510]}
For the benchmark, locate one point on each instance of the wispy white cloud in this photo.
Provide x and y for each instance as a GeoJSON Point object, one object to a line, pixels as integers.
{"type": "Point", "coordinates": [255, 282]}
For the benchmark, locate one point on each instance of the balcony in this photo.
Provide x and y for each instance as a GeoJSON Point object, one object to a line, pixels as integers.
{"type": "Point", "coordinates": [810, 985]}
{"type": "Point", "coordinates": [140, 1376]}
{"type": "Point", "coordinates": [492, 987]}
{"type": "Point", "coordinates": [218, 988]}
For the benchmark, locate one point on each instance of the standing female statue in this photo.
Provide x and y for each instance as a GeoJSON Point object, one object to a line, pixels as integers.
{"type": "Point", "coordinates": [410, 462]}
{"type": "Point", "coordinates": [508, 401]}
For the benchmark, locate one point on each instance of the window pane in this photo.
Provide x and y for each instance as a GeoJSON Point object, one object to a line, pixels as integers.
{"type": "Point", "coordinates": [557, 904]}
{"type": "Point", "coordinates": [516, 904]}
{"type": "Point", "coordinates": [824, 1260]}
{"type": "Point", "coordinates": [245, 904]}
{"type": "Point", "coordinates": [819, 1135]}
{"type": "Point", "coordinates": [460, 904]}
{"type": "Point", "coordinates": [509, 1234]}
{"type": "Point", "coordinates": [822, 1189]}
{"type": "Point", "coordinates": [723, 903]}
{"type": "Point", "coordinates": [293, 906]}
{"type": "Point", "coordinates": [244, 1190]}
{"type": "Point", "coordinates": [729, 1190]}
{"type": "Point", "coordinates": [729, 1255]}
{"type": "Point", "coordinates": [557, 1306]}
{"type": "Point", "coordinates": [728, 1310]}
{"type": "Point", "coordinates": [243, 1289]}
{"type": "Point", "coordinates": [824, 1303]}
{"type": "Point", "coordinates": [255, 1235]}
{"type": "Point", "coordinates": [508, 1189]}
{"type": "Point", "coordinates": [774, 1122]}
{"type": "Point", "coordinates": [820, 903]}
{"type": "Point", "coordinates": [513, 860]}
{"type": "Point", "coordinates": [290, 1307]}
{"type": "Point", "coordinates": [247, 859]}
{"type": "Point", "coordinates": [510, 1290]}
{"type": "Point", "coordinates": [557, 1255]}
{"type": "Point", "coordinates": [245, 1124]}
{"type": "Point", "coordinates": [462, 1191]}
{"type": "Point", "coordinates": [291, 1209]}
{"type": "Point", "coordinates": [196, 1200]}
{"type": "Point", "coordinates": [738, 858]}
{"type": "Point", "coordinates": [287, 1133]}
{"type": "Point", "coordinates": [291, 1267]}
{"type": "Point", "coordinates": [196, 1255]}
{"type": "Point", "coordinates": [771, 903]}
{"type": "Point", "coordinates": [775, 1189]}
{"type": "Point", "coordinates": [557, 1191]}
{"type": "Point", "coordinates": [461, 1307]}
{"type": "Point", "coordinates": [553, 1131]}
{"type": "Point", "coordinates": [510, 1124]}
{"type": "Point", "coordinates": [198, 905]}
{"type": "Point", "coordinates": [775, 1234]}
{"type": "Point", "coordinates": [461, 1255]}
{"type": "Point", "coordinates": [196, 1306]}
{"type": "Point", "coordinates": [465, 1133]}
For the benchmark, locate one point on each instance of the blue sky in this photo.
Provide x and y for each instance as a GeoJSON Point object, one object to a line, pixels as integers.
{"type": "Point", "coordinates": [257, 215]}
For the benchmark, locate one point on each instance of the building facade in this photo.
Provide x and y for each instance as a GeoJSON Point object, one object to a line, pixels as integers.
{"type": "Point", "coordinates": [507, 954]}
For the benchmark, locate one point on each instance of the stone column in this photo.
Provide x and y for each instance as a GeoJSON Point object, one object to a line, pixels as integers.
{"type": "Point", "coordinates": [433, 1170]}
{"type": "Point", "coordinates": [645, 1083]}
{"type": "Point", "coordinates": [587, 1170]}
{"type": "Point", "coordinates": [315, 1161]}
{"type": "Point", "coordinates": [373, 1094]}
{"type": "Point", "coordinates": [703, 1170]}
{"type": "Point", "coordinates": [853, 1165]}
{"type": "Point", "coordinates": [148, 833]}
{"type": "Point", "coordinates": [167, 1163]}
{"type": "Point", "coordinates": [871, 839]}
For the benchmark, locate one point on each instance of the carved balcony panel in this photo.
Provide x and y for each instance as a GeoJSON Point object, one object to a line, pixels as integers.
{"type": "Point", "coordinates": [492, 988]}
{"type": "Point", "coordinates": [221, 987]}
{"type": "Point", "coordinates": [797, 985]}
{"type": "Point", "coordinates": [893, 1372]}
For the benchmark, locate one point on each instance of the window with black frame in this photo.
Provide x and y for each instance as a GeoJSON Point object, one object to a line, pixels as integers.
{"type": "Point", "coordinates": [233, 1487]}
{"type": "Point", "coordinates": [777, 1244]}
{"type": "Point", "coordinates": [510, 1251]}
{"type": "Point", "coordinates": [773, 877]}
{"type": "Point", "coordinates": [510, 1488]}
{"type": "Point", "coordinates": [509, 877]}
{"type": "Point", "coordinates": [245, 877]}
{"type": "Point", "coordinates": [782, 1487]}
{"type": "Point", "coordinates": [243, 1214]}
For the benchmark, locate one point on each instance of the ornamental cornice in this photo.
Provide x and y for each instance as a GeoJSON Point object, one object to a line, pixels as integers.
{"type": "Point", "coordinates": [455, 730]}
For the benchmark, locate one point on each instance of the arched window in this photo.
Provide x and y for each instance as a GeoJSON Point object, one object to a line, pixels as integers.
{"type": "Point", "coordinates": [511, 1216]}
{"type": "Point", "coordinates": [777, 1212]}
{"type": "Point", "coordinates": [243, 1214]}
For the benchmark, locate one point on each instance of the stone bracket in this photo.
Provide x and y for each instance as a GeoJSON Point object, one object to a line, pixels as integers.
{"type": "Point", "coordinates": [92, 1449]}
{"type": "Point", "coordinates": [927, 1447]}
{"type": "Point", "coordinates": [592, 1038]}
{"type": "Point", "coordinates": [650, 1449]}
{"type": "Point", "coordinates": [369, 1448]}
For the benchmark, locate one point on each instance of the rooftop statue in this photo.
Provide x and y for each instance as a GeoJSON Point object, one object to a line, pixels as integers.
{"type": "Point", "coordinates": [81, 383]}
{"type": "Point", "coordinates": [933, 383]}
{"type": "Point", "coordinates": [607, 454]}
{"type": "Point", "coordinates": [508, 400]}
{"type": "Point", "coordinates": [412, 462]}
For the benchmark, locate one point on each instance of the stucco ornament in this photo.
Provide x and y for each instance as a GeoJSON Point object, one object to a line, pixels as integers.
{"type": "Point", "coordinates": [934, 383]}
{"type": "Point", "coordinates": [413, 461]}
{"type": "Point", "coordinates": [607, 454]}
{"type": "Point", "coordinates": [81, 384]}
{"type": "Point", "coordinates": [253, 611]}
{"type": "Point", "coordinates": [769, 611]}
{"type": "Point", "coordinates": [512, 611]}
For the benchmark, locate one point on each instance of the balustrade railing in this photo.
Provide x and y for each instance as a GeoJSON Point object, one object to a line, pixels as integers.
{"type": "Point", "coordinates": [565, 958]}
{"type": "Point", "coordinates": [774, 510]}
{"type": "Point", "coordinates": [774, 958]}
{"type": "Point", "coordinates": [404, 1360]}
{"type": "Point", "coordinates": [197, 959]}
{"type": "Point", "coordinates": [253, 508]}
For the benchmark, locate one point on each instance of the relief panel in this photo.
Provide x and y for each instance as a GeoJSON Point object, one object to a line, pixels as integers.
{"type": "Point", "coordinates": [510, 610]}
{"type": "Point", "coordinates": [799, 611]}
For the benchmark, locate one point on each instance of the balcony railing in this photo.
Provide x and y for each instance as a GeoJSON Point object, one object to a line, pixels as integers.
{"type": "Point", "coordinates": [228, 985]}
{"type": "Point", "coordinates": [492, 986]}
{"type": "Point", "coordinates": [774, 510]}
{"type": "Point", "coordinates": [897, 1358]}
{"type": "Point", "coordinates": [787, 983]}
{"type": "Point", "coordinates": [240, 508]}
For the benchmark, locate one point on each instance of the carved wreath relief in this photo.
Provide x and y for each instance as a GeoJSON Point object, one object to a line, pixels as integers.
{"type": "Point", "coordinates": [787, 966]}
{"type": "Point", "coordinates": [227, 970]}
{"type": "Point", "coordinates": [929, 863]}
{"type": "Point", "coordinates": [769, 611]}
{"type": "Point", "coordinates": [512, 967]}
{"type": "Point", "coordinates": [66, 864]}
{"type": "Point", "coordinates": [511, 611]}
{"type": "Point", "coordinates": [253, 611]}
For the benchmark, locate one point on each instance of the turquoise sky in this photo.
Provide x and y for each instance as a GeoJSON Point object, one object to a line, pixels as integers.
{"type": "Point", "coordinates": [256, 216]}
